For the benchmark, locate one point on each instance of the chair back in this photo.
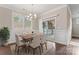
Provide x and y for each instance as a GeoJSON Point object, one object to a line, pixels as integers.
{"type": "Point", "coordinates": [18, 39]}
{"type": "Point", "coordinates": [36, 39]}
{"type": "Point", "coordinates": [43, 37]}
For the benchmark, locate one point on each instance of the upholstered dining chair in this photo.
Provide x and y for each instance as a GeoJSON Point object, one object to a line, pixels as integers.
{"type": "Point", "coordinates": [43, 41]}
{"type": "Point", "coordinates": [19, 44]}
{"type": "Point", "coordinates": [35, 44]}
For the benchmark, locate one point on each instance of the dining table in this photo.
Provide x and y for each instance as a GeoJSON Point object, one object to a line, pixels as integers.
{"type": "Point", "coordinates": [27, 37]}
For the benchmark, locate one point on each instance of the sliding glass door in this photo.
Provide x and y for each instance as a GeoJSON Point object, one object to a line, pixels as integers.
{"type": "Point", "coordinates": [49, 29]}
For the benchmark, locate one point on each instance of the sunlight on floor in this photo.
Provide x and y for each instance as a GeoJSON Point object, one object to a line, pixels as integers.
{"type": "Point", "coordinates": [74, 43]}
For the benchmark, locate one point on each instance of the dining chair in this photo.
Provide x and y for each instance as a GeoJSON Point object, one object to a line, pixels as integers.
{"type": "Point", "coordinates": [19, 44]}
{"type": "Point", "coordinates": [43, 41]}
{"type": "Point", "coordinates": [35, 44]}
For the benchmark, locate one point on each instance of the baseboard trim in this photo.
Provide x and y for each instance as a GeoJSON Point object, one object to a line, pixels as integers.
{"type": "Point", "coordinates": [75, 37]}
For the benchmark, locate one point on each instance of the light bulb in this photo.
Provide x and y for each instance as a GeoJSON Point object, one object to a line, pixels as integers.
{"type": "Point", "coordinates": [35, 15]}
{"type": "Point", "coordinates": [30, 14]}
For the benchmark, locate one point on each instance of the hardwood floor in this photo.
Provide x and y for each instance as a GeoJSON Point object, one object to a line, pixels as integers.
{"type": "Point", "coordinates": [71, 49]}
{"type": "Point", "coordinates": [5, 51]}
{"type": "Point", "coordinates": [52, 49]}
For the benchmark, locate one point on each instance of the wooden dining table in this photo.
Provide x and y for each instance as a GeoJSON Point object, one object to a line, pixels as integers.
{"type": "Point", "coordinates": [27, 37]}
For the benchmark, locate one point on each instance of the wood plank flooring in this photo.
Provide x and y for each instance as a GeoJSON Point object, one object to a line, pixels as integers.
{"type": "Point", "coordinates": [52, 49]}
{"type": "Point", "coordinates": [5, 50]}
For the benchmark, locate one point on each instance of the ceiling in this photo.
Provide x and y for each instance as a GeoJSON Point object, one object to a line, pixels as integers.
{"type": "Point", "coordinates": [36, 8]}
{"type": "Point", "coordinates": [39, 8]}
{"type": "Point", "coordinates": [74, 9]}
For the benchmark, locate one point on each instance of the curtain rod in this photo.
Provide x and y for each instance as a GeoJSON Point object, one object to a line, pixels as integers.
{"type": "Point", "coordinates": [51, 17]}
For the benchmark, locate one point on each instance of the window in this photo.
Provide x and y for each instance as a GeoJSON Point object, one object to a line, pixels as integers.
{"type": "Point", "coordinates": [77, 21]}
{"type": "Point", "coordinates": [17, 21]}
{"type": "Point", "coordinates": [48, 27]}
{"type": "Point", "coordinates": [27, 23]}
{"type": "Point", "coordinates": [20, 22]}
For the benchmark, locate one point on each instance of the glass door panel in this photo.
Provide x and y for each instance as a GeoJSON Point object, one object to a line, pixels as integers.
{"type": "Point", "coordinates": [49, 29]}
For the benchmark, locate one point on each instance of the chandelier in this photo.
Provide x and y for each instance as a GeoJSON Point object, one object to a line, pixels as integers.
{"type": "Point", "coordinates": [31, 15]}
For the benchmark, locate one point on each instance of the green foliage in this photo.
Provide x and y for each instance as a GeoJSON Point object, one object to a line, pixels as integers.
{"type": "Point", "coordinates": [4, 34]}
{"type": "Point", "coordinates": [16, 18]}
{"type": "Point", "coordinates": [27, 23]}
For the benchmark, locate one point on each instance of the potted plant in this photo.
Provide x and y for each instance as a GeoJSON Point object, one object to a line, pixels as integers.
{"type": "Point", "coordinates": [4, 35]}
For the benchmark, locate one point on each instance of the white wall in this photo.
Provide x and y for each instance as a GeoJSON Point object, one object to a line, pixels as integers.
{"type": "Point", "coordinates": [35, 23]}
{"type": "Point", "coordinates": [75, 15]}
{"type": "Point", "coordinates": [61, 30]}
{"type": "Point", "coordinates": [5, 17]}
{"type": "Point", "coordinates": [75, 28]}
{"type": "Point", "coordinates": [6, 20]}
{"type": "Point", "coordinates": [69, 25]}
{"type": "Point", "coordinates": [61, 23]}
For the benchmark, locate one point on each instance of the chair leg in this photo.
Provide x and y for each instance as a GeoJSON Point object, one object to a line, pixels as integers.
{"type": "Point", "coordinates": [40, 49]}
{"type": "Point", "coordinates": [33, 51]}
{"type": "Point", "coordinates": [27, 49]}
{"type": "Point", "coordinates": [18, 52]}
{"type": "Point", "coordinates": [16, 49]}
{"type": "Point", "coordinates": [46, 45]}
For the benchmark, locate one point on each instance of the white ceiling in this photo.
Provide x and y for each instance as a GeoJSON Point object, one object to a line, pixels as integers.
{"type": "Point", "coordinates": [37, 8]}
{"type": "Point", "coordinates": [74, 9]}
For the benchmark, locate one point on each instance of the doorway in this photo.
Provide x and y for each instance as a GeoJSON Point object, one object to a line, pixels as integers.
{"type": "Point", "coordinates": [49, 29]}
